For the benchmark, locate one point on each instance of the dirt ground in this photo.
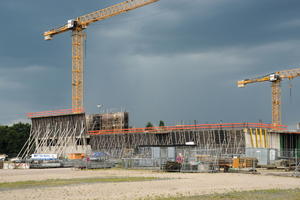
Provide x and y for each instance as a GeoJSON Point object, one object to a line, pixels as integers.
{"type": "Point", "coordinates": [175, 184]}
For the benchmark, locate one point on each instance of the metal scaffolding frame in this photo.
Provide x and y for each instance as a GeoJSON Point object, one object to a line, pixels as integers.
{"type": "Point", "coordinates": [56, 135]}
{"type": "Point", "coordinates": [230, 141]}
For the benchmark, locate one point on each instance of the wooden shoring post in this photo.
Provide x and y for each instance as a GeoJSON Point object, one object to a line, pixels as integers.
{"type": "Point", "coordinates": [56, 137]}
{"type": "Point", "coordinates": [178, 137]}
{"type": "Point", "coordinates": [169, 138]}
{"type": "Point", "coordinates": [261, 142]}
{"type": "Point", "coordinates": [42, 141]}
{"type": "Point", "coordinates": [204, 140]}
{"type": "Point", "coordinates": [214, 139]}
{"type": "Point", "coordinates": [184, 134]}
{"type": "Point", "coordinates": [238, 147]}
{"type": "Point", "coordinates": [63, 136]}
{"type": "Point", "coordinates": [229, 140]}
{"type": "Point", "coordinates": [266, 144]}
{"type": "Point", "coordinates": [52, 143]}
{"type": "Point", "coordinates": [75, 142]}
{"type": "Point", "coordinates": [31, 141]}
{"type": "Point", "coordinates": [256, 136]}
{"type": "Point", "coordinates": [219, 134]}
{"type": "Point", "coordinates": [209, 139]}
{"type": "Point", "coordinates": [145, 138]}
{"type": "Point", "coordinates": [198, 139]}
{"type": "Point", "coordinates": [69, 135]}
{"type": "Point", "coordinates": [251, 137]}
{"type": "Point", "coordinates": [235, 142]}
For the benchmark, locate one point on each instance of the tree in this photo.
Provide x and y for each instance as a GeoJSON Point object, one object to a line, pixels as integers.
{"type": "Point", "coordinates": [149, 124]}
{"type": "Point", "coordinates": [3, 139]}
{"type": "Point", "coordinates": [13, 138]}
{"type": "Point", "coordinates": [161, 123]}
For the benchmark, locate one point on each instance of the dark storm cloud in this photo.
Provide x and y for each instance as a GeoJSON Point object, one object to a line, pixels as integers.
{"type": "Point", "coordinates": [171, 60]}
{"type": "Point", "coordinates": [227, 24]}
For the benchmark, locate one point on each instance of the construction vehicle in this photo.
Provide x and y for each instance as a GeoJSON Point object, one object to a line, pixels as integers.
{"type": "Point", "coordinates": [77, 26]}
{"type": "Point", "coordinates": [275, 79]}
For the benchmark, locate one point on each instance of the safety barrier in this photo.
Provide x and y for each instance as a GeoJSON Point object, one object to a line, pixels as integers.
{"type": "Point", "coordinates": [190, 127]}
{"type": "Point", "coordinates": [56, 112]}
{"type": "Point", "coordinates": [10, 165]}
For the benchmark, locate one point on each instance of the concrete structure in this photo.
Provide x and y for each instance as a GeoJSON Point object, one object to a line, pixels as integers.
{"type": "Point", "coordinates": [71, 131]}
{"type": "Point", "coordinates": [64, 132]}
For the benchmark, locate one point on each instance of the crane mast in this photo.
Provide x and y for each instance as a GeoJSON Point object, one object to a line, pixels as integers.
{"type": "Point", "coordinates": [275, 79]}
{"type": "Point", "coordinates": [77, 26]}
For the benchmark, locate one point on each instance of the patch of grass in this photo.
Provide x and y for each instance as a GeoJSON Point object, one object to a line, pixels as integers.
{"type": "Point", "coordinates": [65, 182]}
{"type": "Point", "coordinates": [271, 194]}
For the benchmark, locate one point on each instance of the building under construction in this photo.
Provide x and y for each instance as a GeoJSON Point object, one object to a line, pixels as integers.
{"type": "Point", "coordinates": [72, 131]}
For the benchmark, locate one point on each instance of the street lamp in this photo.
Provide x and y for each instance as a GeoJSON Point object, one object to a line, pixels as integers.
{"type": "Point", "coordinates": [99, 106]}
{"type": "Point", "coordinates": [100, 118]}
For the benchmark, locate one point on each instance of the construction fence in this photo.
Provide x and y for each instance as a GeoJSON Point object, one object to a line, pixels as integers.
{"type": "Point", "coordinates": [177, 158]}
{"type": "Point", "coordinates": [191, 159]}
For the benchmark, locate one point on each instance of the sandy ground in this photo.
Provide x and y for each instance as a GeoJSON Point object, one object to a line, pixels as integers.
{"type": "Point", "coordinates": [175, 184]}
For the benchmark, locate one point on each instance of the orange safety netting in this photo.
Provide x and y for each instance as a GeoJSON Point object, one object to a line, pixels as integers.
{"type": "Point", "coordinates": [189, 127]}
{"type": "Point", "coordinates": [56, 112]}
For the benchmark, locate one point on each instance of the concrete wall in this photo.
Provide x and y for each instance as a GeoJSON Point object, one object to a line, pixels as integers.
{"type": "Point", "coordinates": [259, 138]}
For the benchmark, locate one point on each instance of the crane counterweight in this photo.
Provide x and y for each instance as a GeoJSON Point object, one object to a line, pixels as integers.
{"type": "Point", "coordinates": [48, 37]}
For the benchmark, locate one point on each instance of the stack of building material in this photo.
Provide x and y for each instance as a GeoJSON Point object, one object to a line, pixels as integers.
{"type": "Point", "coordinates": [225, 160]}
{"type": "Point", "coordinates": [247, 162]}
{"type": "Point", "coordinates": [76, 156]}
{"type": "Point", "coordinates": [170, 166]}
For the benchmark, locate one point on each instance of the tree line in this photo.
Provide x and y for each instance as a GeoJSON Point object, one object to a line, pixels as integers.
{"type": "Point", "coordinates": [13, 138]}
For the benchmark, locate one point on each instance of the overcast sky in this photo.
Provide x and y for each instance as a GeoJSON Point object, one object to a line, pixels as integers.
{"type": "Point", "coordinates": [171, 60]}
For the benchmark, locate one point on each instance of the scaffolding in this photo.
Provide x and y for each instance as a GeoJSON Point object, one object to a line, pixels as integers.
{"type": "Point", "coordinates": [111, 120]}
{"type": "Point", "coordinates": [118, 145]}
{"type": "Point", "coordinates": [56, 134]}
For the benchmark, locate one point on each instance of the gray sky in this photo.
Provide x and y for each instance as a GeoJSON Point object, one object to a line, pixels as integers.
{"type": "Point", "coordinates": [170, 60]}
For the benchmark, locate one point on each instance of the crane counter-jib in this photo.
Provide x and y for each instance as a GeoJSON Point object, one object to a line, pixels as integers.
{"type": "Point", "coordinates": [242, 83]}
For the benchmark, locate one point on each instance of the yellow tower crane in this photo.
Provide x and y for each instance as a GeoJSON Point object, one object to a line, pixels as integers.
{"type": "Point", "coordinates": [77, 26]}
{"type": "Point", "coordinates": [275, 79]}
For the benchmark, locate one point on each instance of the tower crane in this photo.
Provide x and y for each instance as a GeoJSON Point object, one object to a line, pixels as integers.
{"type": "Point", "coordinates": [275, 79]}
{"type": "Point", "coordinates": [77, 26]}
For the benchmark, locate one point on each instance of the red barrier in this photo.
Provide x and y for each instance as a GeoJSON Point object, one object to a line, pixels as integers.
{"type": "Point", "coordinates": [189, 127]}
{"type": "Point", "coordinates": [56, 112]}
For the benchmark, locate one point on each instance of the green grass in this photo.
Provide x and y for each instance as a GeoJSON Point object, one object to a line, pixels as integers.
{"type": "Point", "coordinates": [292, 194]}
{"type": "Point", "coordinates": [65, 182]}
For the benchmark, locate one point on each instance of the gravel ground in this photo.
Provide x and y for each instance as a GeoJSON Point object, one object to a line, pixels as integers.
{"type": "Point", "coordinates": [175, 184]}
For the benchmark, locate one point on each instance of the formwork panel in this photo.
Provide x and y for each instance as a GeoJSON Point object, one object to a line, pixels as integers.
{"type": "Point", "coordinates": [54, 123]}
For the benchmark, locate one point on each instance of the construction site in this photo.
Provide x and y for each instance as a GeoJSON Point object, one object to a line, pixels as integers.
{"type": "Point", "coordinates": [69, 138]}
{"type": "Point", "coordinates": [72, 138]}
